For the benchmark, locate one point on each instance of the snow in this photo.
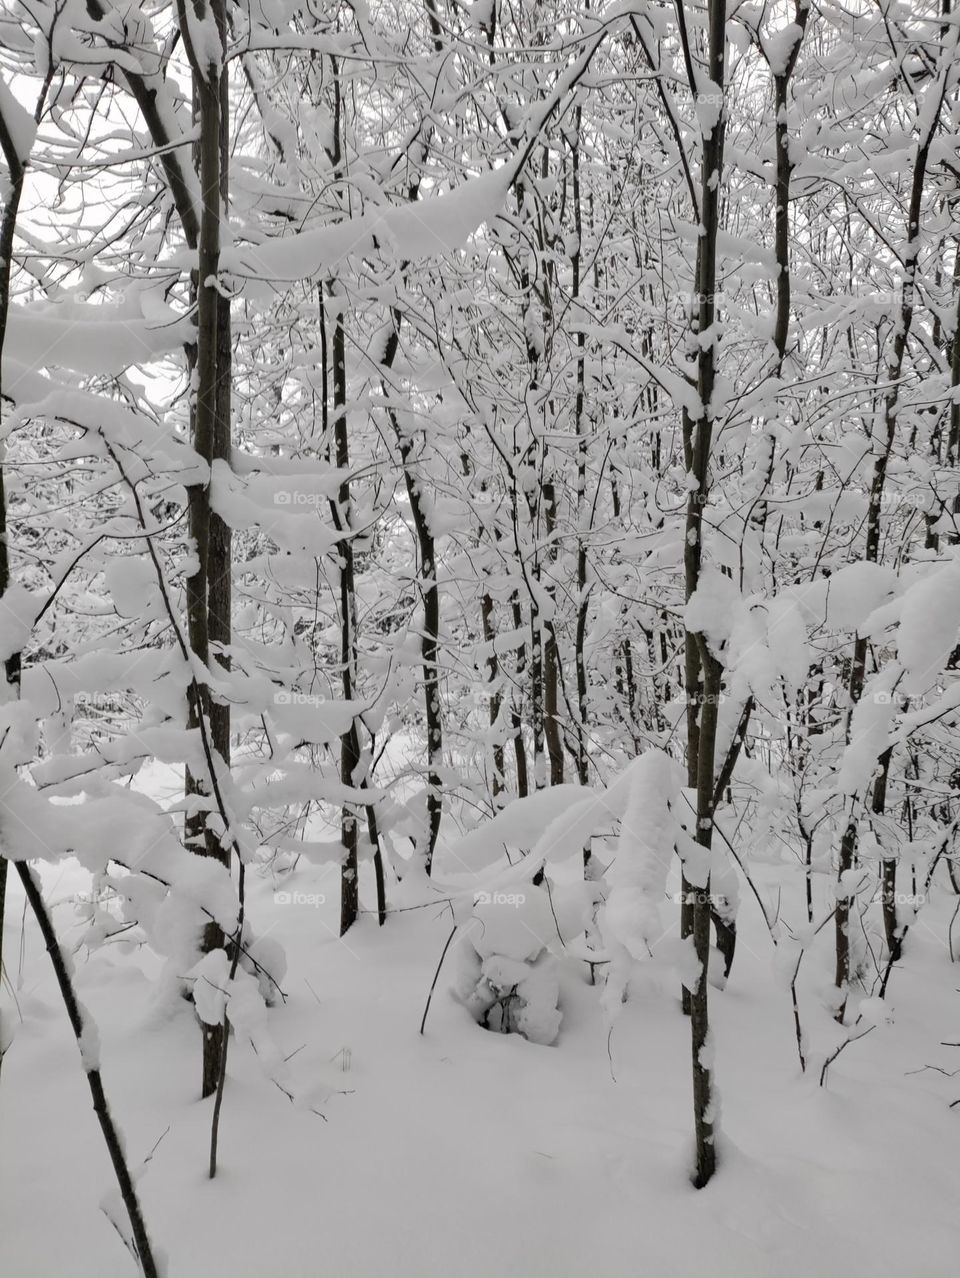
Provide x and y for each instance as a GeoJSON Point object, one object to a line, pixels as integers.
{"type": "Point", "coordinates": [712, 607]}
{"type": "Point", "coordinates": [98, 416]}
{"type": "Point", "coordinates": [132, 583]}
{"type": "Point", "coordinates": [209, 980]}
{"type": "Point", "coordinates": [481, 12]}
{"type": "Point", "coordinates": [579, 1157]}
{"type": "Point", "coordinates": [18, 123]}
{"type": "Point", "coordinates": [497, 1079]}
{"type": "Point", "coordinates": [89, 1043]}
{"type": "Point", "coordinates": [517, 925]}
{"type": "Point", "coordinates": [308, 717]}
{"type": "Point", "coordinates": [869, 732]}
{"type": "Point", "coordinates": [289, 512]}
{"type": "Point", "coordinates": [519, 826]}
{"type": "Point", "coordinates": [779, 45]}
{"type": "Point", "coordinates": [645, 852]}
{"type": "Point", "coordinates": [18, 609]}
{"type": "Point", "coordinates": [847, 598]}
{"type": "Point", "coordinates": [535, 1014]}
{"type": "Point", "coordinates": [929, 627]}
{"type": "Point", "coordinates": [709, 105]}
{"type": "Point", "coordinates": [205, 42]}
{"type": "Point", "coordinates": [87, 338]}
{"type": "Point", "coordinates": [433, 226]}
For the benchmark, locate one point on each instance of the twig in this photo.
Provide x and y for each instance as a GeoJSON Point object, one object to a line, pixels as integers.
{"type": "Point", "coordinates": [436, 976]}
{"type": "Point", "coordinates": [851, 1038]}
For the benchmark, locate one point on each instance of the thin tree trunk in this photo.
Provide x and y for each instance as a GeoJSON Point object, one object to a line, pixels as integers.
{"type": "Point", "coordinates": [516, 719]}
{"type": "Point", "coordinates": [128, 1193]}
{"type": "Point", "coordinates": [551, 659]}
{"type": "Point", "coordinates": [350, 741]}
{"type": "Point", "coordinates": [496, 697]}
{"type": "Point", "coordinates": [891, 412]}
{"type": "Point", "coordinates": [208, 426]}
{"type": "Point", "coordinates": [889, 865]}
{"type": "Point", "coordinates": [373, 831]}
{"type": "Point", "coordinates": [430, 638]}
{"type": "Point", "coordinates": [703, 669]}
{"type": "Point", "coordinates": [953, 436]}
{"type": "Point", "coordinates": [220, 561]}
{"type": "Point", "coordinates": [429, 645]}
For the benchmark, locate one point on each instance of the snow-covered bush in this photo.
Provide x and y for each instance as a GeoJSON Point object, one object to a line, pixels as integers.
{"type": "Point", "coordinates": [507, 977]}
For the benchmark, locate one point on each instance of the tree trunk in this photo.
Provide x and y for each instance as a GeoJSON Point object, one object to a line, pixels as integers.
{"type": "Point", "coordinates": [210, 414]}
{"type": "Point", "coordinates": [350, 741]}
{"type": "Point", "coordinates": [125, 1181]}
{"type": "Point", "coordinates": [703, 669]}
{"type": "Point", "coordinates": [551, 658]}
{"type": "Point", "coordinates": [496, 697]}
{"type": "Point", "coordinates": [891, 413]}
{"type": "Point", "coordinates": [429, 645]}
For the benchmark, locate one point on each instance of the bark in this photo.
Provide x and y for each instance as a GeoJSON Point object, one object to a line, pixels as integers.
{"type": "Point", "coordinates": [220, 552]}
{"type": "Point", "coordinates": [551, 659]}
{"type": "Point", "coordinates": [889, 864]}
{"type": "Point", "coordinates": [781, 232]}
{"type": "Point", "coordinates": [496, 696]}
{"type": "Point", "coordinates": [703, 670]}
{"type": "Point", "coordinates": [210, 413]}
{"type": "Point", "coordinates": [579, 422]}
{"type": "Point", "coordinates": [373, 832]}
{"type": "Point", "coordinates": [953, 436]}
{"type": "Point", "coordinates": [128, 1193]}
{"type": "Point", "coordinates": [333, 358]}
{"type": "Point", "coordinates": [536, 695]}
{"type": "Point", "coordinates": [350, 741]}
{"type": "Point", "coordinates": [516, 720]}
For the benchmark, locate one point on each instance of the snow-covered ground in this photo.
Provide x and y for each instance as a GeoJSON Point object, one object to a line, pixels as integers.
{"type": "Point", "coordinates": [463, 1152]}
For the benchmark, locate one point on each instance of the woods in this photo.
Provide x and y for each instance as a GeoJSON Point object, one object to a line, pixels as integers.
{"type": "Point", "coordinates": [496, 463]}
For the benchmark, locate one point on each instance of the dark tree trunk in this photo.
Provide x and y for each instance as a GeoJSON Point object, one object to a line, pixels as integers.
{"type": "Point", "coordinates": [516, 717]}
{"type": "Point", "coordinates": [210, 413]}
{"type": "Point", "coordinates": [496, 697]}
{"type": "Point", "coordinates": [703, 670]}
{"type": "Point", "coordinates": [128, 1192]}
{"type": "Point", "coordinates": [551, 659]}
{"type": "Point", "coordinates": [889, 865]}
{"type": "Point", "coordinates": [429, 644]}
{"type": "Point", "coordinates": [350, 741]}
{"type": "Point", "coordinates": [882, 449]}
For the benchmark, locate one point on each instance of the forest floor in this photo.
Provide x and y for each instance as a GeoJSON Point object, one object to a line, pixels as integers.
{"type": "Point", "coordinates": [463, 1153]}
